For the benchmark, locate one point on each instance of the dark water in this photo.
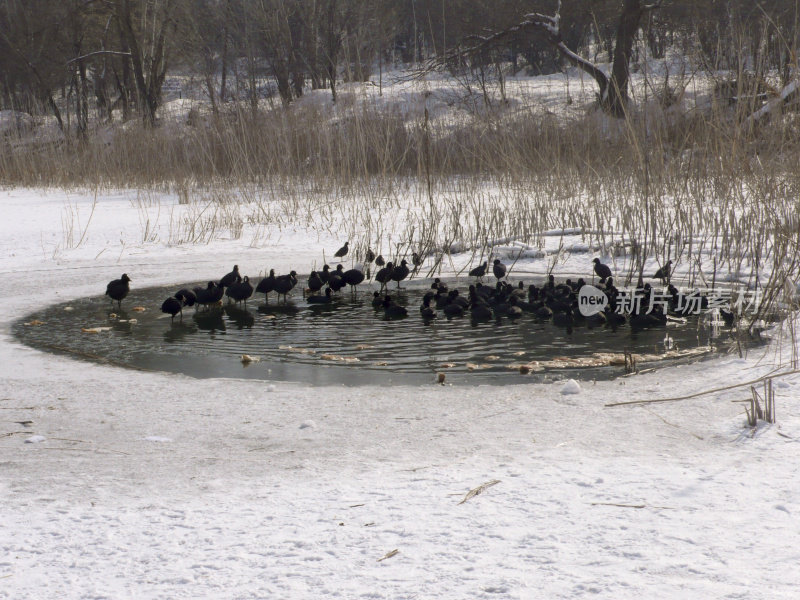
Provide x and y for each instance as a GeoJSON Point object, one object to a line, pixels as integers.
{"type": "Point", "coordinates": [299, 342]}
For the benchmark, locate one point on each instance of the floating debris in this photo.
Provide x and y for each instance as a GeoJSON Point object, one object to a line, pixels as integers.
{"type": "Point", "coordinates": [447, 365]}
{"type": "Point", "coordinates": [247, 359]}
{"type": "Point", "coordinates": [297, 350]}
{"type": "Point", "coordinates": [34, 323]}
{"type": "Point", "coordinates": [95, 329]}
{"type": "Point", "coordinates": [338, 358]}
{"type": "Point", "coordinates": [492, 357]}
{"type": "Point", "coordinates": [68, 308]}
{"type": "Point", "coordinates": [477, 367]}
{"type": "Point", "coordinates": [364, 347]}
{"type": "Point", "coordinates": [381, 363]}
{"type": "Point", "coordinates": [440, 377]}
{"type": "Point", "coordinates": [138, 309]}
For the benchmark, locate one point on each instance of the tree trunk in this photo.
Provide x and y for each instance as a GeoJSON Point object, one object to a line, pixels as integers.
{"type": "Point", "coordinates": [616, 97]}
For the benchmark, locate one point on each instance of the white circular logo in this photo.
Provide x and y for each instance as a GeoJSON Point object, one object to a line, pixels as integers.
{"type": "Point", "coordinates": [591, 300]}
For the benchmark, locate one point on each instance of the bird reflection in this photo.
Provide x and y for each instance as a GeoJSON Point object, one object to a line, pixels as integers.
{"type": "Point", "coordinates": [242, 318]}
{"type": "Point", "coordinates": [209, 320]}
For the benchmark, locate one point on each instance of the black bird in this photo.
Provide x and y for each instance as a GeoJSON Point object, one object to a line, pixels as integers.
{"type": "Point", "coordinates": [369, 256]}
{"type": "Point", "coordinates": [499, 269]}
{"type": "Point", "coordinates": [172, 306]}
{"type": "Point", "coordinates": [417, 261]}
{"type": "Point", "coordinates": [438, 285]}
{"type": "Point", "coordinates": [456, 298]}
{"type": "Point", "coordinates": [480, 271]}
{"type": "Point", "coordinates": [392, 310]}
{"type": "Point", "coordinates": [481, 311]}
{"type": "Point", "coordinates": [230, 277]}
{"type": "Point", "coordinates": [285, 283]}
{"type": "Point", "coordinates": [401, 272]}
{"type": "Point", "coordinates": [377, 301]}
{"type": "Point", "coordinates": [602, 271]}
{"type": "Point", "coordinates": [211, 294]}
{"type": "Point", "coordinates": [238, 280]}
{"type": "Point", "coordinates": [325, 274]}
{"type": "Point", "coordinates": [343, 250]}
{"type": "Point", "coordinates": [266, 285]}
{"type": "Point", "coordinates": [335, 281]}
{"type": "Point", "coordinates": [241, 290]}
{"type": "Point", "coordinates": [326, 299]}
{"type": "Point", "coordinates": [513, 311]}
{"type": "Point", "coordinates": [352, 278]}
{"type": "Point", "coordinates": [186, 297]}
{"type": "Point", "coordinates": [564, 319]}
{"type": "Point", "coordinates": [380, 261]}
{"type": "Point", "coordinates": [664, 272]}
{"type": "Point", "coordinates": [453, 309]}
{"type": "Point", "coordinates": [426, 310]}
{"type": "Point", "coordinates": [315, 282]}
{"type": "Point", "coordinates": [384, 276]}
{"type": "Point", "coordinates": [118, 289]}
{"type": "Point", "coordinates": [655, 318]}
{"type": "Point", "coordinates": [728, 316]}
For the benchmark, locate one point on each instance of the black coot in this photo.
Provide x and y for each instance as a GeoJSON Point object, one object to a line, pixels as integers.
{"type": "Point", "coordinates": [118, 289]}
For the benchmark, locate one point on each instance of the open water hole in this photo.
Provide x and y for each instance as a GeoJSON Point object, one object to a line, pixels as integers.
{"type": "Point", "coordinates": [349, 341]}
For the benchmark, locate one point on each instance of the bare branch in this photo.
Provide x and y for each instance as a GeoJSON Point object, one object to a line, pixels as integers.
{"type": "Point", "coordinates": [114, 52]}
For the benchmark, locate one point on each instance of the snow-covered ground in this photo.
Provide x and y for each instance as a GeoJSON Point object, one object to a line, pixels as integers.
{"type": "Point", "coordinates": [123, 484]}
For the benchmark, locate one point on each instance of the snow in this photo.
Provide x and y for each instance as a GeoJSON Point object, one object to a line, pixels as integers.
{"type": "Point", "coordinates": [150, 485]}
{"type": "Point", "coordinates": [571, 387]}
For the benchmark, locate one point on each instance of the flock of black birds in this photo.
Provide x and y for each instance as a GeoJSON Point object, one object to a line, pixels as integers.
{"type": "Point", "coordinates": [551, 301]}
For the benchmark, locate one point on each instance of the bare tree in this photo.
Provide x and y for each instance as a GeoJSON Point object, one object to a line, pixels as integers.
{"type": "Point", "coordinates": [613, 90]}
{"type": "Point", "coordinates": [146, 38]}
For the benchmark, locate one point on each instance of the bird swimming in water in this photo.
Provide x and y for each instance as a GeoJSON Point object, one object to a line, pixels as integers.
{"type": "Point", "coordinates": [326, 299]}
{"type": "Point", "coordinates": [426, 310]}
{"type": "Point", "coordinates": [118, 289]}
{"type": "Point", "coordinates": [392, 310]}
